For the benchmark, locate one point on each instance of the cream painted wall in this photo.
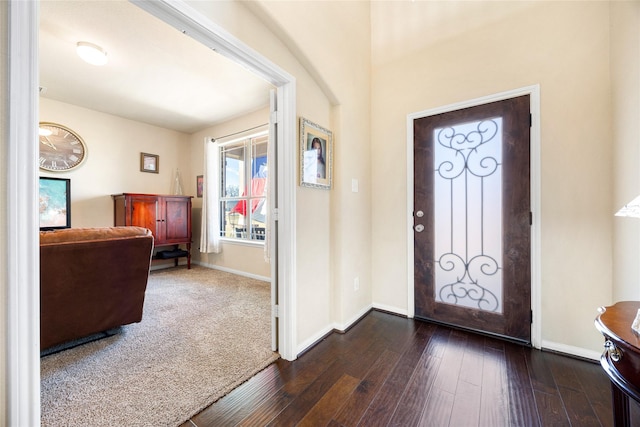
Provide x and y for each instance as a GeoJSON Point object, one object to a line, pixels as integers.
{"type": "Point", "coordinates": [234, 256]}
{"type": "Point", "coordinates": [334, 47]}
{"type": "Point", "coordinates": [313, 268]}
{"type": "Point", "coordinates": [112, 165]}
{"type": "Point", "coordinates": [625, 77]}
{"type": "Point", "coordinates": [329, 57]}
{"type": "Point", "coordinates": [564, 47]}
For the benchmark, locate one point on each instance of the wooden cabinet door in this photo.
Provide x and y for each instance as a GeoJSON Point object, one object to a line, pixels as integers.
{"type": "Point", "coordinates": [146, 212]}
{"type": "Point", "coordinates": [176, 220]}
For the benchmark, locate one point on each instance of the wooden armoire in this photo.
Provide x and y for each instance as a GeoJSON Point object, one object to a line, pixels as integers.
{"type": "Point", "coordinates": [168, 218]}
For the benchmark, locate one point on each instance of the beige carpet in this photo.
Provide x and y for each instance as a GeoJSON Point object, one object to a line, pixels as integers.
{"type": "Point", "coordinates": [203, 333]}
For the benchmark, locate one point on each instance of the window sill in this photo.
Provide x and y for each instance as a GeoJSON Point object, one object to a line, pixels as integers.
{"type": "Point", "coordinates": [240, 242]}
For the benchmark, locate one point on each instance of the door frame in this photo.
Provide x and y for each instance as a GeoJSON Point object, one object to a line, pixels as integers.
{"type": "Point", "coordinates": [20, 252]}
{"type": "Point", "coordinates": [189, 21]}
{"type": "Point", "coordinates": [536, 283]}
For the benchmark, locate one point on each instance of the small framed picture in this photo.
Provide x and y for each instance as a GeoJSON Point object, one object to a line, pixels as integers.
{"type": "Point", "coordinates": [199, 185]}
{"type": "Point", "coordinates": [149, 163]}
{"type": "Point", "coordinates": [316, 155]}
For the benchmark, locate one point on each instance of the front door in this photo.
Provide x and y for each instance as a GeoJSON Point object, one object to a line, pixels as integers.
{"type": "Point", "coordinates": [472, 218]}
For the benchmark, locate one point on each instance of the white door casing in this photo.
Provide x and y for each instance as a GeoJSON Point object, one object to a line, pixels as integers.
{"type": "Point", "coordinates": [23, 293]}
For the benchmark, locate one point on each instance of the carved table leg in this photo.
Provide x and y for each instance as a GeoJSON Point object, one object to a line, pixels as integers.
{"type": "Point", "coordinates": [620, 407]}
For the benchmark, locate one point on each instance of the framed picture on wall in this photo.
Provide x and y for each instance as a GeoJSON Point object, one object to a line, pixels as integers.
{"type": "Point", "coordinates": [199, 185]}
{"type": "Point", "coordinates": [149, 163]}
{"type": "Point", "coordinates": [316, 155]}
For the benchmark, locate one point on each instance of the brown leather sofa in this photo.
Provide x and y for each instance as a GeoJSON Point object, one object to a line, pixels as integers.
{"type": "Point", "coordinates": [91, 280]}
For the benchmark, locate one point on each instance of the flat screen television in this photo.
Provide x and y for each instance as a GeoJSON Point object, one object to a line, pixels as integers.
{"type": "Point", "coordinates": [55, 203]}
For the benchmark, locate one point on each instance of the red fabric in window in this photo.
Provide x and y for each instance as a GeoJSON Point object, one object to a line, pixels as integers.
{"type": "Point", "coordinates": [257, 189]}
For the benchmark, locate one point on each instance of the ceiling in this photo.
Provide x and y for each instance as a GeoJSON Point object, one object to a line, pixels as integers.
{"type": "Point", "coordinates": [155, 74]}
{"type": "Point", "coordinates": [158, 75]}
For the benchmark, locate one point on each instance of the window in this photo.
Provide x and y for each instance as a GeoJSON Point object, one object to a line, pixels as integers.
{"type": "Point", "coordinates": [243, 180]}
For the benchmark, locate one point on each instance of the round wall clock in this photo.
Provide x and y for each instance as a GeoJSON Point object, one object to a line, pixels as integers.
{"type": "Point", "coordinates": [61, 149]}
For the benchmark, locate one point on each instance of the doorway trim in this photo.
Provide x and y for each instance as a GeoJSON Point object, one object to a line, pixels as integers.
{"type": "Point", "coordinates": [21, 249]}
{"type": "Point", "coordinates": [536, 283]}
{"type": "Point", "coordinates": [192, 23]}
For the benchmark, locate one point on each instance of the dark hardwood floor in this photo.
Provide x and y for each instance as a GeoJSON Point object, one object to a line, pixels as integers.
{"type": "Point", "coordinates": [391, 371]}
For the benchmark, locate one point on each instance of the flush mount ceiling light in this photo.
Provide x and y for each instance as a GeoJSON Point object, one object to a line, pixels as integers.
{"type": "Point", "coordinates": [91, 53]}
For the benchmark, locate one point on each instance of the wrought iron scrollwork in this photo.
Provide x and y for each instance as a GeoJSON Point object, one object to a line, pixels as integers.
{"type": "Point", "coordinates": [467, 284]}
{"type": "Point", "coordinates": [468, 158]}
{"type": "Point", "coordinates": [469, 155]}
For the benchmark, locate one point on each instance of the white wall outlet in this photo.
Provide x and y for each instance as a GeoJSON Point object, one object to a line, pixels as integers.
{"type": "Point", "coordinates": [356, 284]}
{"type": "Point", "coordinates": [354, 185]}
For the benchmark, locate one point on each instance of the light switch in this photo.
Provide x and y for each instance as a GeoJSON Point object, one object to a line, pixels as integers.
{"type": "Point", "coordinates": [354, 185]}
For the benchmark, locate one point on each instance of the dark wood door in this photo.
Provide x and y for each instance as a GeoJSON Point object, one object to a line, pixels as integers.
{"type": "Point", "coordinates": [472, 218]}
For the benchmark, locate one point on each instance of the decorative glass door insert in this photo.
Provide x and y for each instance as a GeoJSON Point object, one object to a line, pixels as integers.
{"type": "Point", "coordinates": [468, 214]}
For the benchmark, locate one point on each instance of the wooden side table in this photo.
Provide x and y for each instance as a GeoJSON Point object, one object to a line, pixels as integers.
{"type": "Point", "coordinates": [621, 358]}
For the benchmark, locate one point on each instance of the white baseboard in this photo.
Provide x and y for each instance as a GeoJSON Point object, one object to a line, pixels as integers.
{"type": "Point", "coordinates": [230, 270]}
{"type": "Point", "coordinates": [346, 325]}
{"type": "Point", "coordinates": [571, 350]}
{"type": "Point", "coordinates": [390, 309]}
{"type": "Point", "coordinates": [160, 266]}
{"type": "Point", "coordinates": [340, 327]}
{"type": "Point", "coordinates": [548, 345]}
{"type": "Point", "coordinates": [168, 263]}
{"type": "Point", "coordinates": [313, 340]}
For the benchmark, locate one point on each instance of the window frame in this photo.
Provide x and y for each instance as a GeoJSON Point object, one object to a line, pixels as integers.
{"type": "Point", "coordinates": [248, 144]}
